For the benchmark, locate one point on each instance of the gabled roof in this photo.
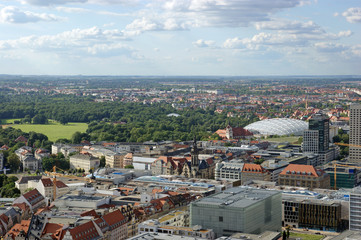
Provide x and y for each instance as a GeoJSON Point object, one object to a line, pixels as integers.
{"type": "Point", "coordinates": [25, 179]}
{"type": "Point", "coordinates": [6, 147]}
{"type": "Point", "coordinates": [22, 206]}
{"type": "Point", "coordinates": [60, 184]}
{"type": "Point", "coordinates": [90, 213]}
{"type": "Point", "coordinates": [249, 167]}
{"type": "Point", "coordinates": [41, 150]}
{"type": "Point", "coordinates": [114, 219]}
{"type": "Point", "coordinates": [47, 182]}
{"type": "Point", "coordinates": [85, 231]}
{"type": "Point", "coordinates": [33, 197]}
{"type": "Point", "coordinates": [240, 132]}
{"type": "Point", "coordinates": [4, 218]}
{"type": "Point", "coordinates": [52, 229]}
{"type": "Point", "coordinates": [18, 228]}
{"type": "Point", "coordinates": [298, 169]}
{"type": "Point", "coordinates": [21, 139]}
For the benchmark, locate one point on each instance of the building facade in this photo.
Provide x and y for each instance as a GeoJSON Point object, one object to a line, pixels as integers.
{"type": "Point", "coordinates": [304, 176]}
{"type": "Point", "coordinates": [238, 209]}
{"type": "Point", "coordinates": [355, 209]}
{"type": "Point", "coordinates": [355, 133]}
{"type": "Point", "coordinates": [84, 161]}
{"type": "Point", "coordinates": [312, 214]}
{"type": "Point", "coordinates": [228, 170]}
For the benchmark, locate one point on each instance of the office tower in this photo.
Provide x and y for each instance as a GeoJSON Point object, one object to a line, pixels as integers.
{"type": "Point", "coordinates": [316, 139]}
{"type": "Point", "coordinates": [355, 133]}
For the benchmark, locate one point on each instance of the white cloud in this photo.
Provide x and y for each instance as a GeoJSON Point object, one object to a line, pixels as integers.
{"type": "Point", "coordinates": [11, 14]}
{"type": "Point", "coordinates": [353, 15]}
{"type": "Point", "coordinates": [63, 2]}
{"type": "Point", "coordinates": [345, 33]}
{"type": "Point", "coordinates": [92, 41]}
{"type": "Point", "coordinates": [330, 47]}
{"type": "Point", "coordinates": [108, 50]}
{"type": "Point", "coordinates": [291, 37]}
{"type": "Point", "coordinates": [51, 2]}
{"type": "Point", "coordinates": [296, 27]}
{"type": "Point", "coordinates": [72, 10]}
{"type": "Point", "coordinates": [146, 24]}
{"type": "Point", "coordinates": [185, 14]}
{"type": "Point", "coordinates": [356, 50]}
{"type": "Point", "coordinates": [204, 43]}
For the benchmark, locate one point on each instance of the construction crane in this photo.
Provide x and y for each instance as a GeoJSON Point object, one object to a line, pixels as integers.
{"type": "Point", "coordinates": [347, 144]}
{"type": "Point", "coordinates": [55, 174]}
{"type": "Point", "coordinates": [335, 172]}
{"type": "Point", "coordinates": [343, 165]}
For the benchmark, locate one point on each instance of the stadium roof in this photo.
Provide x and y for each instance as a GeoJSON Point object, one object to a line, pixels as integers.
{"type": "Point", "coordinates": [278, 126]}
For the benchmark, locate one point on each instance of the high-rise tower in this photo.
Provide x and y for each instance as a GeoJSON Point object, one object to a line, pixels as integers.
{"type": "Point", "coordinates": [355, 133]}
{"type": "Point", "coordinates": [316, 138]}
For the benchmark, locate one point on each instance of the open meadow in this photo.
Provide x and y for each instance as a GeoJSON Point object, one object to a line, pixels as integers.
{"type": "Point", "coordinates": [53, 130]}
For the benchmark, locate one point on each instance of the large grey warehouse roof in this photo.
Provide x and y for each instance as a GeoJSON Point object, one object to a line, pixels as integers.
{"type": "Point", "coordinates": [238, 197]}
{"type": "Point", "coordinates": [278, 126]}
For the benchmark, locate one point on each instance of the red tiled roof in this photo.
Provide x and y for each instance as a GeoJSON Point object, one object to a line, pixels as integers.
{"type": "Point", "coordinates": [249, 167]}
{"type": "Point", "coordinates": [4, 218]}
{"type": "Point", "coordinates": [114, 219]}
{"type": "Point", "coordinates": [240, 132]}
{"type": "Point", "coordinates": [298, 169]}
{"type": "Point", "coordinates": [101, 224]}
{"type": "Point", "coordinates": [17, 228]}
{"type": "Point", "coordinates": [91, 213]}
{"type": "Point", "coordinates": [33, 197]}
{"type": "Point", "coordinates": [60, 184]}
{"type": "Point", "coordinates": [84, 231]}
{"type": "Point", "coordinates": [47, 182]}
{"type": "Point", "coordinates": [53, 229]}
{"type": "Point", "coordinates": [41, 210]}
{"type": "Point", "coordinates": [5, 147]}
{"type": "Point", "coordinates": [22, 206]}
{"type": "Point", "coordinates": [221, 133]}
{"type": "Point", "coordinates": [21, 139]}
{"type": "Point", "coordinates": [107, 206]}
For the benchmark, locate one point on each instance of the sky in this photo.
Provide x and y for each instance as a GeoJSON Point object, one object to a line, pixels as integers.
{"type": "Point", "coordinates": [180, 37]}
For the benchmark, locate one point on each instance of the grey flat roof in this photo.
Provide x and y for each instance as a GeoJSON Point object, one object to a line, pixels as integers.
{"type": "Point", "coordinates": [238, 197]}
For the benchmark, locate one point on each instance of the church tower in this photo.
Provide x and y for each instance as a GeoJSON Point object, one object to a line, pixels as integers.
{"type": "Point", "coordinates": [194, 154]}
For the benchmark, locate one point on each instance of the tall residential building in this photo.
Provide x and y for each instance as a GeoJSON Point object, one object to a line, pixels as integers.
{"type": "Point", "coordinates": [316, 139]}
{"type": "Point", "coordinates": [355, 133]}
{"type": "Point", "coordinates": [239, 209]}
{"type": "Point", "coordinates": [355, 209]}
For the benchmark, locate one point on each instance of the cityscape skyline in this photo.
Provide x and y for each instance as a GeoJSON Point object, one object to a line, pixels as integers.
{"type": "Point", "coordinates": [187, 37]}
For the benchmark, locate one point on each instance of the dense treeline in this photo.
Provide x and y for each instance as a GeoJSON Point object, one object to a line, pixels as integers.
{"type": "Point", "coordinates": [9, 135]}
{"type": "Point", "coordinates": [7, 187]}
{"type": "Point", "coordinates": [138, 122]}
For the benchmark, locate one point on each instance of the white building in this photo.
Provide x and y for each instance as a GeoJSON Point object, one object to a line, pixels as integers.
{"type": "Point", "coordinates": [355, 209]}
{"type": "Point", "coordinates": [84, 161]}
{"type": "Point", "coordinates": [229, 170]}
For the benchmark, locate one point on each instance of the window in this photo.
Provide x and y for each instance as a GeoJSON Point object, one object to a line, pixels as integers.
{"type": "Point", "coordinates": [220, 219]}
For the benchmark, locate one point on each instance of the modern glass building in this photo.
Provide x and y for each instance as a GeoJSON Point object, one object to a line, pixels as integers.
{"type": "Point", "coordinates": [319, 125]}
{"type": "Point", "coordinates": [240, 209]}
{"type": "Point", "coordinates": [278, 126]}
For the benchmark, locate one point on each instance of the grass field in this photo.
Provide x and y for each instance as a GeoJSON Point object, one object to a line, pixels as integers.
{"type": "Point", "coordinates": [53, 130]}
{"type": "Point", "coordinates": [302, 236]}
{"type": "Point", "coordinates": [292, 139]}
{"type": "Point", "coordinates": [9, 121]}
